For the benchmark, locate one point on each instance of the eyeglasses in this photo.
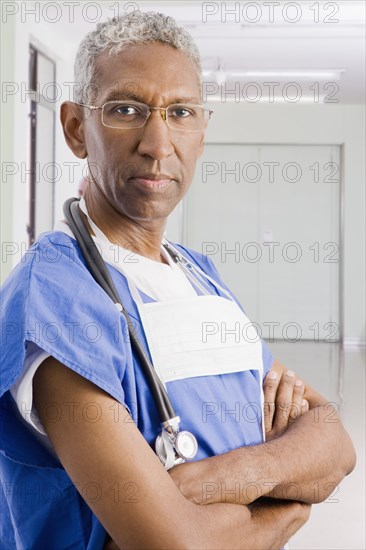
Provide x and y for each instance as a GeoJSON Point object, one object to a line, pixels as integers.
{"type": "Point", "coordinates": [125, 115]}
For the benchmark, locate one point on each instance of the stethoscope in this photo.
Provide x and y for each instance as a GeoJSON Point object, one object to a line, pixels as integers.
{"type": "Point", "coordinates": [171, 445]}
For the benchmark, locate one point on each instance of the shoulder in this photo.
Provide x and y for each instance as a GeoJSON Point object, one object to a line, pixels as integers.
{"type": "Point", "coordinates": [51, 299]}
{"type": "Point", "coordinates": [54, 249]}
{"type": "Point", "coordinates": [51, 269]}
{"type": "Point", "coordinates": [56, 266]}
{"type": "Point", "coordinates": [51, 248]}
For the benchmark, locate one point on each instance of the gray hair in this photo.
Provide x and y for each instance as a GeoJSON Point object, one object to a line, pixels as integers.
{"type": "Point", "coordinates": [117, 34]}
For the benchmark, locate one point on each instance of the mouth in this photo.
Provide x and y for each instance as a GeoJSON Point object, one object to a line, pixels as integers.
{"type": "Point", "coordinates": [151, 182]}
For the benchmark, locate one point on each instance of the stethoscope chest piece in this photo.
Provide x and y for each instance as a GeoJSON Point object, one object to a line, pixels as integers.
{"type": "Point", "coordinates": [175, 447]}
{"type": "Point", "coordinates": [186, 445]}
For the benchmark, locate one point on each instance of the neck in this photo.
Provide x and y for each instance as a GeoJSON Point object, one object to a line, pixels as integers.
{"type": "Point", "coordinates": [142, 237]}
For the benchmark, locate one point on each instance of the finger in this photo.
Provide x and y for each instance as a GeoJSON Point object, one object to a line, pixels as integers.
{"type": "Point", "coordinates": [283, 400]}
{"type": "Point", "coordinates": [297, 396]}
{"type": "Point", "coordinates": [270, 386]}
{"type": "Point", "coordinates": [304, 406]}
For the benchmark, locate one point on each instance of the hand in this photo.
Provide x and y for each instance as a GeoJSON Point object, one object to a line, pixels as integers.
{"type": "Point", "coordinates": [302, 510]}
{"type": "Point", "coordinates": [283, 401]}
{"type": "Point", "coordinates": [189, 478]}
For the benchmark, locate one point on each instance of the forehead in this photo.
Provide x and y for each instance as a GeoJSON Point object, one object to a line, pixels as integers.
{"type": "Point", "coordinates": [149, 72]}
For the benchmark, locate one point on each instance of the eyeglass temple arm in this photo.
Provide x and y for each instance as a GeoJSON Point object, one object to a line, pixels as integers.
{"type": "Point", "coordinates": [89, 106]}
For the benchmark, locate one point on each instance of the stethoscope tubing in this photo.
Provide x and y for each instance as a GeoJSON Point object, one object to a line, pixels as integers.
{"type": "Point", "coordinates": [100, 273]}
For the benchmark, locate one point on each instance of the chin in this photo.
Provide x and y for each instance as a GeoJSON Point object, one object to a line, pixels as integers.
{"type": "Point", "coordinates": [153, 212]}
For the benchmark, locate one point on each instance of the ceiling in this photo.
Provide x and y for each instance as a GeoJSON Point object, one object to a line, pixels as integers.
{"type": "Point", "coordinates": [255, 36]}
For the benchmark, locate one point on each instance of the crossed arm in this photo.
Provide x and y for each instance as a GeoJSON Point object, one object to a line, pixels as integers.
{"type": "Point", "coordinates": [114, 455]}
{"type": "Point", "coordinates": [306, 455]}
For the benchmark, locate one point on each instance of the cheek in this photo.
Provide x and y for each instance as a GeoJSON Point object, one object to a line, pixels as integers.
{"type": "Point", "coordinates": [100, 140]}
{"type": "Point", "coordinates": [188, 146]}
{"type": "Point", "coordinates": [106, 158]}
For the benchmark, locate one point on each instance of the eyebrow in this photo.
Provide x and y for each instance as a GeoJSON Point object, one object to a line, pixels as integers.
{"type": "Point", "coordinates": [118, 95]}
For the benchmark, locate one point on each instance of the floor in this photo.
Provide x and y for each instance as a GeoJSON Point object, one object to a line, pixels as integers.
{"type": "Point", "coordinates": [339, 522]}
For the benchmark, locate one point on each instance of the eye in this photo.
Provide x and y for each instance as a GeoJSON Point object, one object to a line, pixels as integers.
{"type": "Point", "coordinates": [182, 112]}
{"type": "Point", "coordinates": [127, 110]}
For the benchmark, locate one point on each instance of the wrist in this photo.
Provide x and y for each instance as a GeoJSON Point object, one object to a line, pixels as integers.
{"type": "Point", "coordinates": [241, 476]}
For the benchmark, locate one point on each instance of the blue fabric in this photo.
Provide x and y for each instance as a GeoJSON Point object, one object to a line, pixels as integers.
{"type": "Point", "coordinates": [51, 299]}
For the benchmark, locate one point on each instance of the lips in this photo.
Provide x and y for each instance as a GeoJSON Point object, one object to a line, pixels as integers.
{"type": "Point", "coordinates": [151, 181]}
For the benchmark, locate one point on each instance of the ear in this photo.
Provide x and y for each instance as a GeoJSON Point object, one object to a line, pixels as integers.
{"type": "Point", "coordinates": [72, 121]}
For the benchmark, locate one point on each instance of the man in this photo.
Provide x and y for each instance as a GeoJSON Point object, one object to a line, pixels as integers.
{"type": "Point", "coordinates": [80, 463]}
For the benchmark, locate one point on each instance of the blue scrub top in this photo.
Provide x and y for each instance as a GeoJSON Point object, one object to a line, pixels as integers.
{"type": "Point", "coordinates": [51, 299]}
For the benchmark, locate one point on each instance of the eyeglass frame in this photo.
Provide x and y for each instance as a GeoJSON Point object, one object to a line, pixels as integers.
{"type": "Point", "coordinates": [150, 109]}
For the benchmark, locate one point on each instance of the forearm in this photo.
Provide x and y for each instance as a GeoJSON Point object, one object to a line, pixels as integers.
{"type": "Point", "coordinates": [317, 453]}
{"type": "Point", "coordinates": [305, 463]}
{"type": "Point", "coordinates": [263, 525]}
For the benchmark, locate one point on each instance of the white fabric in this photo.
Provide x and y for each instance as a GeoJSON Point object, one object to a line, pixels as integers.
{"type": "Point", "coordinates": [157, 280]}
{"type": "Point", "coordinates": [200, 336]}
{"type": "Point", "coordinates": [22, 390]}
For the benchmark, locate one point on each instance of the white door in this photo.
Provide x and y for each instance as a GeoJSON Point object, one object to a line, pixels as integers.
{"type": "Point", "coordinates": [269, 218]}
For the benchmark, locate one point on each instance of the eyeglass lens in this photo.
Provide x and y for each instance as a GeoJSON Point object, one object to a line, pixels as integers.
{"type": "Point", "coordinates": [124, 115]}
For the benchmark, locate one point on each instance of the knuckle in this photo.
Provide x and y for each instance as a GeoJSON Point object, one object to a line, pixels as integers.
{"type": "Point", "coordinates": [298, 385]}
{"type": "Point", "coordinates": [288, 378]}
{"type": "Point", "coordinates": [269, 407]}
{"type": "Point", "coordinates": [270, 382]}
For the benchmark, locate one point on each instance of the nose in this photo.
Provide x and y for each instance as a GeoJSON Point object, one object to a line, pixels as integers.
{"type": "Point", "coordinates": [156, 139]}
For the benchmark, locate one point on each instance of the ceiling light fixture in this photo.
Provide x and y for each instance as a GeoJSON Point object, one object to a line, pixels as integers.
{"type": "Point", "coordinates": [314, 74]}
